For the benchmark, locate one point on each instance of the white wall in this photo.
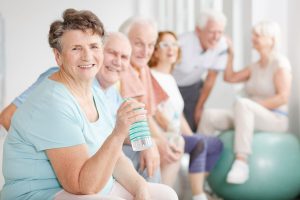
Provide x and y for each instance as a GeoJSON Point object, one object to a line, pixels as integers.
{"type": "Point", "coordinates": [1, 60]}
{"type": "Point", "coordinates": [293, 53]}
{"type": "Point", "coordinates": [27, 52]}
{"type": "Point", "coordinates": [285, 13]}
{"type": "Point", "coordinates": [262, 10]}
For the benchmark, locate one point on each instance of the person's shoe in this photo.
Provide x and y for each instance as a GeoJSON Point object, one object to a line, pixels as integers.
{"type": "Point", "coordinates": [239, 172]}
{"type": "Point", "coordinates": [201, 196]}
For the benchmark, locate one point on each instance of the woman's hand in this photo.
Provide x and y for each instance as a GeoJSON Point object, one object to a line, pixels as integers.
{"type": "Point", "coordinates": [198, 115]}
{"type": "Point", "coordinates": [167, 154]}
{"type": "Point", "coordinates": [230, 75]}
{"type": "Point", "coordinates": [150, 160]}
{"type": "Point", "coordinates": [129, 112]}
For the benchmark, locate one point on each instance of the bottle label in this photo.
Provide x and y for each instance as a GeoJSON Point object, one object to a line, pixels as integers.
{"type": "Point", "coordinates": [139, 135]}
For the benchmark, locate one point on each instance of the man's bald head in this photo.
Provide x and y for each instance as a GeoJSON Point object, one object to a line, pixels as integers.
{"type": "Point", "coordinates": [117, 52]}
{"type": "Point", "coordinates": [142, 34]}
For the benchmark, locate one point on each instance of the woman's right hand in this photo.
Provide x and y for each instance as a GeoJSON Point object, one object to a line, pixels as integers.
{"type": "Point", "coordinates": [230, 50]}
{"type": "Point", "coordinates": [129, 112]}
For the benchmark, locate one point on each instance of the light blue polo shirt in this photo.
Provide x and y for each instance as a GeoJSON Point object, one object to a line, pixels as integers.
{"type": "Point", "coordinates": [49, 118]}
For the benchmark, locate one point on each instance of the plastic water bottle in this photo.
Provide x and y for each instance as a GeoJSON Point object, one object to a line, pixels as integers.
{"type": "Point", "coordinates": [139, 135]}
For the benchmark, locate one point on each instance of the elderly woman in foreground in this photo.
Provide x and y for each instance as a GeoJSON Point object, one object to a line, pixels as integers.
{"type": "Point", "coordinates": [62, 144]}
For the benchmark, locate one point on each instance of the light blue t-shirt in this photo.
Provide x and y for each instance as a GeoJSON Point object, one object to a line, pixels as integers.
{"type": "Point", "coordinates": [19, 100]}
{"type": "Point", "coordinates": [111, 95]}
{"type": "Point", "coordinates": [49, 118]}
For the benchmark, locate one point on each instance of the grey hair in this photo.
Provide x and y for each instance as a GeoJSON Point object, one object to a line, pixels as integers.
{"type": "Point", "coordinates": [74, 20]}
{"type": "Point", "coordinates": [118, 35]}
{"type": "Point", "coordinates": [269, 29]}
{"type": "Point", "coordinates": [207, 15]}
{"type": "Point", "coordinates": [128, 24]}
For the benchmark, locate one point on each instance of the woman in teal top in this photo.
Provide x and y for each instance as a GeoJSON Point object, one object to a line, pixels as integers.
{"type": "Point", "coordinates": [62, 143]}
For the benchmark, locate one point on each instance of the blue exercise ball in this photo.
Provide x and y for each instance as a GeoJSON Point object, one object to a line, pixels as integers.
{"type": "Point", "coordinates": [274, 168]}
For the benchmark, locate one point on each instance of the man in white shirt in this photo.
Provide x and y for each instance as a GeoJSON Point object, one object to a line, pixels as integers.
{"type": "Point", "coordinates": [203, 51]}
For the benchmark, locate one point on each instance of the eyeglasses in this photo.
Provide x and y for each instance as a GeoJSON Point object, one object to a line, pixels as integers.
{"type": "Point", "coordinates": [166, 44]}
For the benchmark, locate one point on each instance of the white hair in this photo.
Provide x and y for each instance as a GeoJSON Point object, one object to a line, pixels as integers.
{"type": "Point", "coordinates": [207, 15]}
{"type": "Point", "coordinates": [118, 35]}
{"type": "Point", "coordinates": [269, 29]}
{"type": "Point", "coordinates": [137, 20]}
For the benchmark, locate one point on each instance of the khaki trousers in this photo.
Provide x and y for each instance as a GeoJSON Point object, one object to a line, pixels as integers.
{"type": "Point", "coordinates": [245, 117]}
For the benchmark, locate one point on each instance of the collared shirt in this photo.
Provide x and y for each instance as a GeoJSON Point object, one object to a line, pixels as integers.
{"type": "Point", "coordinates": [195, 61]}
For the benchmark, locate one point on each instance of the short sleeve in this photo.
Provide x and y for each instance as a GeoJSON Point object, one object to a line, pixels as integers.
{"type": "Point", "coordinates": [220, 62]}
{"type": "Point", "coordinates": [18, 101]}
{"type": "Point", "coordinates": [221, 56]}
{"type": "Point", "coordinates": [55, 121]}
{"type": "Point", "coordinates": [283, 63]}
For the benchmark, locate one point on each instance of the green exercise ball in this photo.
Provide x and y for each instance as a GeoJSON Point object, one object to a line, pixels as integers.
{"type": "Point", "coordinates": [274, 168]}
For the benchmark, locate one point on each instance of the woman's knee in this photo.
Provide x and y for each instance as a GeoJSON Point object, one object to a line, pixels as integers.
{"type": "Point", "coordinates": [206, 118]}
{"type": "Point", "coordinates": [197, 155]}
{"type": "Point", "coordinates": [199, 147]}
{"type": "Point", "coordinates": [206, 125]}
{"type": "Point", "coordinates": [179, 142]}
{"type": "Point", "coordinates": [161, 191]}
{"type": "Point", "coordinates": [242, 103]}
{"type": "Point", "coordinates": [218, 145]}
{"type": "Point", "coordinates": [214, 145]}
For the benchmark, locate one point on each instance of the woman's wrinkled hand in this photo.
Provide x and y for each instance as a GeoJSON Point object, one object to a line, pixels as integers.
{"type": "Point", "coordinates": [129, 112]}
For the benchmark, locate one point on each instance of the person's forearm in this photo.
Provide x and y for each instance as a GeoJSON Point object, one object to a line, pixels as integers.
{"type": "Point", "coordinates": [154, 128]}
{"type": "Point", "coordinates": [205, 91]}
{"type": "Point", "coordinates": [185, 128]}
{"type": "Point", "coordinates": [229, 73]}
{"type": "Point", "coordinates": [97, 170]}
{"type": "Point", "coordinates": [274, 102]}
{"type": "Point", "coordinates": [127, 176]}
{"type": "Point", "coordinates": [7, 114]}
{"type": "Point", "coordinates": [161, 120]}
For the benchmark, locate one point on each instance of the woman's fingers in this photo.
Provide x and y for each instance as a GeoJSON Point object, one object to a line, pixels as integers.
{"type": "Point", "coordinates": [132, 111]}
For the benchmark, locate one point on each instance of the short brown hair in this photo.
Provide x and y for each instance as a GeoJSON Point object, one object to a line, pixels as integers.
{"type": "Point", "coordinates": [154, 61]}
{"type": "Point", "coordinates": [74, 20]}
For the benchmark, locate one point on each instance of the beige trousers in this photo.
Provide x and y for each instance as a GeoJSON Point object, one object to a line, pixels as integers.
{"type": "Point", "coordinates": [245, 117]}
{"type": "Point", "coordinates": [118, 192]}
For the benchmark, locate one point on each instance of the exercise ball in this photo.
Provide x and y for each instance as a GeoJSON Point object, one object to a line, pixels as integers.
{"type": "Point", "coordinates": [274, 168]}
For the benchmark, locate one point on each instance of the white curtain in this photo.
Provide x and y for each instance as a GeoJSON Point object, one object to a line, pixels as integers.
{"type": "Point", "coordinates": [175, 15]}
{"type": "Point", "coordinates": [293, 38]}
{"type": "Point", "coordinates": [2, 68]}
